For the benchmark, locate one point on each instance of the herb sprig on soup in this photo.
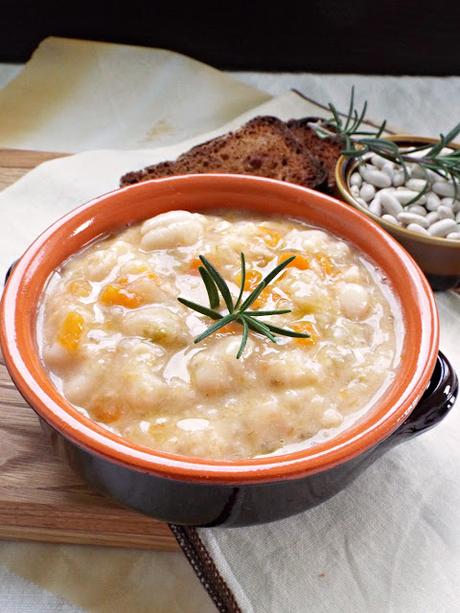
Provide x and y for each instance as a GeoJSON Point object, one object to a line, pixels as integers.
{"type": "Point", "coordinates": [119, 345]}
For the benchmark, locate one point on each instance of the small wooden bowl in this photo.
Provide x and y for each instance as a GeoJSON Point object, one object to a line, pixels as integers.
{"type": "Point", "coordinates": [439, 258]}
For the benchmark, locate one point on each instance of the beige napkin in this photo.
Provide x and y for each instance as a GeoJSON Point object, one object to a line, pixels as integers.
{"type": "Point", "coordinates": [76, 95]}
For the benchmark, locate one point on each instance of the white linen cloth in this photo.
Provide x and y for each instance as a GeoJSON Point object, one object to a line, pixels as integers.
{"type": "Point", "coordinates": [389, 543]}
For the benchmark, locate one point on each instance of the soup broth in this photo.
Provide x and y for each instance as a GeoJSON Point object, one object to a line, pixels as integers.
{"type": "Point", "coordinates": [119, 345]}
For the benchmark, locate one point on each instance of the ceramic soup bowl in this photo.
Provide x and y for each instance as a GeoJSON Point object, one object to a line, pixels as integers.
{"type": "Point", "coordinates": [195, 491]}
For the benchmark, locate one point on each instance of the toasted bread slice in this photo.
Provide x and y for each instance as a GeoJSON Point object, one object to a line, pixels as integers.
{"type": "Point", "coordinates": [264, 146]}
{"type": "Point", "coordinates": [327, 150]}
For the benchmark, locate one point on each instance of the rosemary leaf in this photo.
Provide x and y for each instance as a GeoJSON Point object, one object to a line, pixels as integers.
{"type": "Point", "coordinates": [253, 296]}
{"type": "Point", "coordinates": [210, 286]}
{"type": "Point", "coordinates": [287, 332]}
{"type": "Point", "coordinates": [258, 326]}
{"type": "Point", "coordinates": [220, 282]}
{"type": "Point", "coordinates": [243, 280]}
{"type": "Point", "coordinates": [200, 308]}
{"type": "Point", "coordinates": [266, 313]}
{"type": "Point", "coordinates": [244, 338]}
{"type": "Point", "coordinates": [219, 324]}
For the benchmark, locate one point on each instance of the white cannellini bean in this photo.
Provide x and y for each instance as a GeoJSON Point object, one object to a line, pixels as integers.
{"type": "Point", "coordinates": [457, 217]}
{"type": "Point", "coordinates": [406, 195]}
{"type": "Point", "coordinates": [432, 217]}
{"type": "Point", "coordinates": [391, 219]}
{"type": "Point", "coordinates": [398, 178]}
{"type": "Point", "coordinates": [432, 201]}
{"type": "Point", "coordinates": [408, 218]}
{"type": "Point", "coordinates": [445, 212]}
{"type": "Point", "coordinates": [354, 189]}
{"type": "Point", "coordinates": [416, 184]}
{"type": "Point", "coordinates": [375, 207]}
{"type": "Point", "coordinates": [362, 202]}
{"type": "Point", "coordinates": [418, 209]}
{"type": "Point", "coordinates": [443, 188]}
{"type": "Point", "coordinates": [455, 236]}
{"type": "Point", "coordinates": [354, 300]}
{"type": "Point", "coordinates": [415, 227]}
{"type": "Point", "coordinates": [367, 192]}
{"type": "Point", "coordinates": [375, 177]}
{"type": "Point", "coordinates": [171, 229]}
{"type": "Point", "coordinates": [454, 204]}
{"type": "Point", "coordinates": [417, 172]}
{"type": "Point", "coordinates": [443, 227]}
{"type": "Point", "coordinates": [356, 179]}
{"type": "Point", "coordinates": [378, 161]}
{"type": "Point", "coordinates": [390, 203]}
{"type": "Point", "coordinates": [331, 418]}
{"type": "Point", "coordinates": [388, 169]}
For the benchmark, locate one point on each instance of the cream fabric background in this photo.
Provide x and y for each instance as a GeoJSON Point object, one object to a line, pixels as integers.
{"type": "Point", "coordinates": [388, 544]}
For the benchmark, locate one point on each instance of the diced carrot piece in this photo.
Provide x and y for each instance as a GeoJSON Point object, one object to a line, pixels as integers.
{"type": "Point", "coordinates": [80, 288]}
{"type": "Point", "coordinates": [71, 331]}
{"type": "Point", "coordinates": [327, 266]}
{"type": "Point", "coordinates": [252, 280]}
{"type": "Point", "coordinates": [231, 328]}
{"type": "Point", "coordinates": [305, 327]}
{"type": "Point", "coordinates": [300, 262]}
{"type": "Point", "coordinates": [269, 293]}
{"type": "Point", "coordinates": [106, 411]}
{"type": "Point", "coordinates": [194, 265]}
{"type": "Point", "coordinates": [270, 237]}
{"type": "Point", "coordinates": [113, 295]}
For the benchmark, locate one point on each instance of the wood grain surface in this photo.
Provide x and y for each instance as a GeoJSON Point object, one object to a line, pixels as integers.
{"type": "Point", "coordinates": [41, 499]}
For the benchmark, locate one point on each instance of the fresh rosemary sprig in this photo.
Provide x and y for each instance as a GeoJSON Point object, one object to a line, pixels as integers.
{"type": "Point", "coordinates": [239, 310]}
{"type": "Point", "coordinates": [357, 143]}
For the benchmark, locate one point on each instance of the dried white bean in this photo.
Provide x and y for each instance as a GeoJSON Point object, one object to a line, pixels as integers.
{"type": "Point", "coordinates": [390, 203]}
{"type": "Point", "coordinates": [378, 161]}
{"type": "Point", "coordinates": [405, 195]}
{"type": "Point", "coordinates": [362, 202]}
{"type": "Point", "coordinates": [367, 192]}
{"type": "Point", "coordinates": [416, 228]}
{"type": "Point", "coordinates": [454, 236]}
{"type": "Point", "coordinates": [376, 207]}
{"type": "Point", "coordinates": [450, 202]}
{"type": "Point", "coordinates": [432, 217]}
{"type": "Point", "coordinates": [354, 189]}
{"type": "Point", "coordinates": [418, 209]}
{"type": "Point", "coordinates": [457, 217]}
{"type": "Point", "coordinates": [356, 179]}
{"type": "Point", "coordinates": [418, 172]}
{"type": "Point", "coordinates": [416, 184]}
{"type": "Point", "coordinates": [398, 178]}
{"type": "Point", "coordinates": [443, 188]}
{"type": "Point", "coordinates": [375, 177]}
{"type": "Point", "coordinates": [391, 219]}
{"type": "Point", "coordinates": [432, 201]}
{"type": "Point", "coordinates": [445, 212]}
{"type": "Point", "coordinates": [443, 227]}
{"type": "Point", "coordinates": [409, 218]}
{"type": "Point", "coordinates": [388, 169]}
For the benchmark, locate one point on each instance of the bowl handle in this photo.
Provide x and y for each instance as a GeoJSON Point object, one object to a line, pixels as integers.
{"type": "Point", "coordinates": [436, 402]}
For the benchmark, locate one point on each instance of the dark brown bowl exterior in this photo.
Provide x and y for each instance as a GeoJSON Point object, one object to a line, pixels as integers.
{"type": "Point", "coordinates": [439, 258]}
{"type": "Point", "coordinates": [200, 504]}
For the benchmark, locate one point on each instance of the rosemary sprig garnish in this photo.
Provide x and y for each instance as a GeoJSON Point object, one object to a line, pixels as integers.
{"type": "Point", "coordinates": [358, 142]}
{"type": "Point", "coordinates": [238, 311]}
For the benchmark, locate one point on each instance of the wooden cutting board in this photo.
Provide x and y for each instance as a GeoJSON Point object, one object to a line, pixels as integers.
{"type": "Point", "coordinates": [41, 499]}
